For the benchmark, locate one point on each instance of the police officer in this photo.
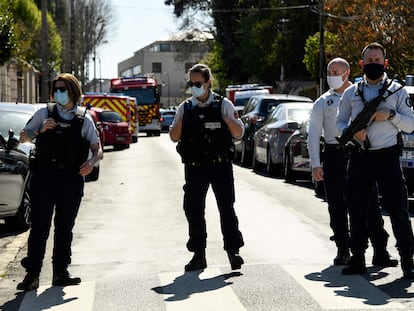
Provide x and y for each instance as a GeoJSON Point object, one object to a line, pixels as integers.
{"type": "Point", "coordinates": [204, 126]}
{"type": "Point", "coordinates": [63, 134]}
{"type": "Point", "coordinates": [375, 158]}
{"type": "Point", "coordinates": [322, 122]}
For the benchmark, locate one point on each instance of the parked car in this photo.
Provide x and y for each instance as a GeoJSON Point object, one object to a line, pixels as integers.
{"type": "Point", "coordinates": [296, 160]}
{"type": "Point", "coordinates": [167, 117]}
{"type": "Point", "coordinates": [270, 139]}
{"type": "Point", "coordinates": [241, 97]}
{"type": "Point", "coordinates": [407, 156]}
{"type": "Point", "coordinates": [14, 165]}
{"type": "Point", "coordinates": [253, 117]}
{"type": "Point", "coordinates": [115, 130]}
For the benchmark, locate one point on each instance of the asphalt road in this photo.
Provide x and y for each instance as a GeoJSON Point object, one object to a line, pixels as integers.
{"type": "Point", "coordinates": [129, 248]}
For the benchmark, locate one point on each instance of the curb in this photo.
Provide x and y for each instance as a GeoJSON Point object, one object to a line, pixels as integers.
{"type": "Point", "coordinates": [10, 251]}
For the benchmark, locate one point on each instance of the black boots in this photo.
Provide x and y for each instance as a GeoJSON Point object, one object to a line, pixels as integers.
{"type": "Point", "coordinates": [356, 265]}
{"type": "Point", "coordinates": [235, 259]}
{"type": "Point", "coordinates": [30, 282]}
{"type": "Point", "coordinates": [198, 262]}
{"type": "Point", "coordinates": [382, 259]}
{"type": "Point", "coordinates": [63, 278]}
{"type": "Point", "coordinates": [342, 257]}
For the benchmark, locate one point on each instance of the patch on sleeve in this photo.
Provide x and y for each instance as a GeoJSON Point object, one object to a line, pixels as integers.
{"type": "Point", "coordinates": [409, 101]}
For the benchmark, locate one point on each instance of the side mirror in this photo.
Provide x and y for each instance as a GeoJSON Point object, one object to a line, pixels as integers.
{"type": "Point", "coordinates": [12, 142]}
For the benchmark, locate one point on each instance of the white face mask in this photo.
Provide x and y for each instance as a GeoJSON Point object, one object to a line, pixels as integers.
{"type": "Point", "coordinates": [197, 91]}
{"type": "Point", "coordinates": [335, 82]}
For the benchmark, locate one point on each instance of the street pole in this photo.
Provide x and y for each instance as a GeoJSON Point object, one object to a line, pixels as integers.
{"type": "Point", "coordinates": [44, 97]}
{"type": "Point", "coordinates": [100, 75]}
{"type": "Point", "coordinates": [321, 51]}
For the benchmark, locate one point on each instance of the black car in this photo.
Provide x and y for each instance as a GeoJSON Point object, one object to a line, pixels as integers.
{"type": "Point", "coordinates": [296, 160]}
{"type": "Point", "coordinates": [14, 165]}
{"type": "Point", "coordinates": [253, 117]}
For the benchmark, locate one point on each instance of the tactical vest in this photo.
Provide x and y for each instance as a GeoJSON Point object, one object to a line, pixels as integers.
{"type": "Point", "coordinates": [61, 148]}
{"type": "Point", "coordinates": [205, 137]}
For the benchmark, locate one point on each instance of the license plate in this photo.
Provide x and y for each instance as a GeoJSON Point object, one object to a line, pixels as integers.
{"type": "Point", "coordinates": [408, 155]}
{"type": "Point", "coordinates": [119, 138]}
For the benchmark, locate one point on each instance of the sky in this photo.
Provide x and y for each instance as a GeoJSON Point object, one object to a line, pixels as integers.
{"type": "Point", "coordinates": [137, 23]}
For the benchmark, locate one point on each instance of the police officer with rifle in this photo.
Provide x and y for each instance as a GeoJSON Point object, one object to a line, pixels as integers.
{"type": "Point", "coordinates": [384, 108]}
{"type": "Point", "coordinates": [204, 126]}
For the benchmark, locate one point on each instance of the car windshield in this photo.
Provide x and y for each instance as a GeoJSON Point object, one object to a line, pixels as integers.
{"type": "Point", "coordinates": [298, 114]}
{"type": "Point", "coordinates": [13, 120]}
{"type": "Point", "coordinates": [241, 101]}
{"type": "Point", "coordinates": [111, 116]}
{"type": "Point", "coordinates": [268, 105]}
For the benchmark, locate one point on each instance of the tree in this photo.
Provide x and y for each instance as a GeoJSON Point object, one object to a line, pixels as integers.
{"type": "Point", "coordinates": [361, 22]}
{"type": "Point", "coordinates": [7, 36]}
{"type": "Point", "coordinates": [27, 29]}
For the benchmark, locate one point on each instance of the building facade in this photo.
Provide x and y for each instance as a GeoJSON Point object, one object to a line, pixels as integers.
{"type": "Point", "coordinates": [168, 60]}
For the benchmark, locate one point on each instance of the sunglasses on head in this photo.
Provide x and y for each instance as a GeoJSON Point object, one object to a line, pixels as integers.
{"type": "Point", "coordinates": [59, 88]}
{"type": "Point", "coordinates": [196, 84]}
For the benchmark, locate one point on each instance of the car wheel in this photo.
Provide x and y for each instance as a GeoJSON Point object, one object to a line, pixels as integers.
{"type": "Point", "coordinates": [21, 221]}
{"type": "Point", "coordinates": [271, 168]}
{"type": "Point", "coordinates": [134, 139]}
{"type": "Point", "coordinates": [255, 163]}
{"type": "Point", "coordinates": [289, 174]}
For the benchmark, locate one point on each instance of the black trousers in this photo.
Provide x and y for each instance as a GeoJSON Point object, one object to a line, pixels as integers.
{"type": "Point", "coordinates": [383, 168]}
{"type": "Point", "coordinates": [51, 192]}
{"type": "Point", "coordinates": [197, 181]}
{"type": "Point", "coordinates": [335, 164]}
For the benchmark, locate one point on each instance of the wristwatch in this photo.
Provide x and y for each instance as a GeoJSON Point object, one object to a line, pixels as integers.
{"type": "Point", "coordinates": [392, 114]}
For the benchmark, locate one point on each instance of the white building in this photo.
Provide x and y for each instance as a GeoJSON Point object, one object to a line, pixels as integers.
{"type": "Point", "coordinates": [169, 60]}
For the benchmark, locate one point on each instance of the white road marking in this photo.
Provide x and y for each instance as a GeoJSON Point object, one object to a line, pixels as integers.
{"type": "Point", "coordinates": [69, 298]}
{"type": "Point", "coordinates": [343, 292]}
{"type": "Point", "coordinates": [204, 291]}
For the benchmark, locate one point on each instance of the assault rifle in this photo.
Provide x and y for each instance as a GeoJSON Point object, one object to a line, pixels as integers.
{"type": "Point", "coordinates": [362, 119]}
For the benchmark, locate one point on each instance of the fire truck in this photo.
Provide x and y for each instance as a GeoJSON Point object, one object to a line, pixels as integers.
{"type": "Point", "coordinates": [146, 92]}
{"type": "Point", "coordinates": [119, 104]}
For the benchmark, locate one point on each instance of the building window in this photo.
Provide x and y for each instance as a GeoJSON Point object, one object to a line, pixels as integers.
{"type": "Point", "coordinates": [156, 67]}
{"type": "Point", "coordinates": [165, 47]}
{"type": "Point", "coordinates": [136, 70]}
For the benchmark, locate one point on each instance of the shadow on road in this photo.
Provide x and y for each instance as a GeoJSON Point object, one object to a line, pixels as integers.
{"type": "Point", "coordinates": [351, 285]}
{"type": "Point", "coordinates": [190, 283]}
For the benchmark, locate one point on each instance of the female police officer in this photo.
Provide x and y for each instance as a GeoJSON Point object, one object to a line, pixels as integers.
{"type": "Point", "coordinates": [203, 126]}
{"type": "Point", "coordinates": [63, 134]}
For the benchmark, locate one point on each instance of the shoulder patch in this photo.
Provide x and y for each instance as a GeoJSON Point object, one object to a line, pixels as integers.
{"type": "Point", "coordinates": [409, 101]}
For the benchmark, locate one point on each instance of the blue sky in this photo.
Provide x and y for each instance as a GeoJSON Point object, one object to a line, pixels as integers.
{"type": "Point", "coordinates": [137, 24]}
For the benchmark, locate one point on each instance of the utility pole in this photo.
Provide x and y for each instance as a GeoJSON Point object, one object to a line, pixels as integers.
{"type": "Point", "coordinates": [321, 51]}
{"type": "Point", "coordinates": [44, 95]}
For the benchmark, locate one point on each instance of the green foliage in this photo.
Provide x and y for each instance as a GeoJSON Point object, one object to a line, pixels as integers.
{"type": "Point", "coordinates": [28, 22]}
{"type": "Point", "coordinates": [312, 47]}
{"type": "Point", "coordinates": [7, 37]}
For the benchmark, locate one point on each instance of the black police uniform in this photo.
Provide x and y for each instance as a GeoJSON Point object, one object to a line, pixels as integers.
{"type": "Point", "coordinates": [207, 149]}
{"type": "Point", "coordinates": [56, 182]}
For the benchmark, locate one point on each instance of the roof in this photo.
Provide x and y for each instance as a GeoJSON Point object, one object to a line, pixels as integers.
{"type": "Point", "coordinates": [190, 35]}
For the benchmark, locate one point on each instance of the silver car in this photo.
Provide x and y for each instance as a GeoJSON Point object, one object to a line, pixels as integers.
{"type": "Point", "coordinates": [270, 139]}
{"type": "Point", "coordinates": [14, 165]}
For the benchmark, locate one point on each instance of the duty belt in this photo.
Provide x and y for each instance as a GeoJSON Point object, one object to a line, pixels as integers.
{"type": "Point", "coordinates": [216, 160]}
{"type": "Point", "coordinates": [383, 151]}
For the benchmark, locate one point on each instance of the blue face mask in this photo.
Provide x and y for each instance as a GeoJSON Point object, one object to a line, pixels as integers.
{"type": "Point", "coordinates": [197, 91]}
{"type": "Point", "coordinates": [62, 98]}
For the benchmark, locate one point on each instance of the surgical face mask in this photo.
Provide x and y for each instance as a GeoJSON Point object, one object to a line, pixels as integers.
{"type": "Point", "coordinates": [197, 91]}
{"type": "Point", "coordinates": [62, 98]}
{"type": "Point", "coordinates": [373, 71]}
{"type": "Point", "coordinates": [335, 82]}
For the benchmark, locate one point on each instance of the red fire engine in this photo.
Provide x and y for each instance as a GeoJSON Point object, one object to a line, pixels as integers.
{"type": "Point", "coordinates": [146, 91]}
